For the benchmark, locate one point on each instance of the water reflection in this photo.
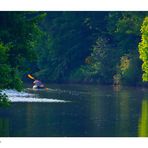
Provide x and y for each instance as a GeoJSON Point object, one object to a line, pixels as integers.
{"type": "Point", "coordinates": [93, 111]}
{"type": "Point", "coordinates": [114, 112]}
{"type": "Point", "coordinates": [102, 113]}
{"type": "Point", "coordinates": [4, 127]}
{"type": "Point", "coordinates": [143, 122]}
{"type": "Point", "coordinates": [122, 113]}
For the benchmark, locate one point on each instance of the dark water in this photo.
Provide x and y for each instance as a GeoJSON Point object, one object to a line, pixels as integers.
{"type": "Point", "coordinates": [91, 111]}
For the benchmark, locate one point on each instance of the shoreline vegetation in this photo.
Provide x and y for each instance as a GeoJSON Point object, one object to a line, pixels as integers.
{"type": "Point", "coordinates": [108, 48]}
{"type": "Point", "coordinates": [4, 100]}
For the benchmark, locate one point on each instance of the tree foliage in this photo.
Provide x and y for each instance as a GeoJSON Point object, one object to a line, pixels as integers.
{"type": "Point", "coordinates": [143, 49]}
{"type": "Point", "coordinates": [90, 47]}
{"type": "Point", "coordinates": [19, 35]}
{"type": "Point", "coordinates": [65, 45]}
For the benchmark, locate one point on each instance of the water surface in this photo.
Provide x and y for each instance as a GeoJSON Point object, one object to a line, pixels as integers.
{"type": "Point", "coordinates": [76, 111]}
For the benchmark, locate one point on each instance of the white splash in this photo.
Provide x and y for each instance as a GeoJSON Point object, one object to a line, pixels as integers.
{"type": "Point", "coordinates": [15, 96]}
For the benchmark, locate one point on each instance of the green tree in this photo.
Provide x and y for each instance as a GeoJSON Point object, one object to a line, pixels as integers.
{"type": "Point", "coordinates": [129, 70]}
{"type": "Point", "coordinates": [67, 42]}
{"type": "Point", "coordinates": [101, 62]}
{"type": "Point", "coordinates": [124, 28]}
{"type": "Point", "coordinates": [143, 49]}
{"type": "Point", "coordinates": [104, 38]}
{"type": "Point", "coordinates": [19, 35]}
{"type": "Point", "coordinates": [64, 46]}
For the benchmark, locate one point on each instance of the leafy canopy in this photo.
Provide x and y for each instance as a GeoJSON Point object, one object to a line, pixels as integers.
{"type": "Point", "coordinates": [143, 49]}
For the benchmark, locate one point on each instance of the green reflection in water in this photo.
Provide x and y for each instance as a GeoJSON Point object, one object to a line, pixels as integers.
{"type": "Point", "coordinates": [143, 122]}
{"type": "Point", "coordinates": [4, 127]}
{"type": "Point", "coordinates": [122, 112]}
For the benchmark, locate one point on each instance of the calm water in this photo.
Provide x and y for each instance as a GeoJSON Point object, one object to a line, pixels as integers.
{"type": "Point", "coordinates": [76, 111]}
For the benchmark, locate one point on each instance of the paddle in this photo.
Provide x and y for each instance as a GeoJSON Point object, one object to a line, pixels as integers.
{"type": "Point", "coordinates": [31, 77]}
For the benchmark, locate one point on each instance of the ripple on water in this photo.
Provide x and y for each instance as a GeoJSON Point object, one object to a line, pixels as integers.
{"type": "Point", "coordinates": [15, 96]}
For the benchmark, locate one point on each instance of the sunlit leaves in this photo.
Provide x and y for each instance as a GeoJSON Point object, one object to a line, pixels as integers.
{"type": "Point", "coordinates": [125, 62]}
{"type": "Point", "coordinates": [143, 49]}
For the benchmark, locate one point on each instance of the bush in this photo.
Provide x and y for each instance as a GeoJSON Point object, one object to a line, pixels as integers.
{"type": "Point", "coordinates": [4, 101]}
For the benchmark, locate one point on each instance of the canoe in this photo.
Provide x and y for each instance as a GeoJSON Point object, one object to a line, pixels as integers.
{"type": "Point", "coordinates": [40, 89]}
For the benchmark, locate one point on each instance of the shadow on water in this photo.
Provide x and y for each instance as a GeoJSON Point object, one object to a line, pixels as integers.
{"type": "Point", "coordinates": [90, 111]}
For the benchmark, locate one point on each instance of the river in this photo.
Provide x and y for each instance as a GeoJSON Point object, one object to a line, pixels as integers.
{"type": "Point", "coordinates": [76, 111]}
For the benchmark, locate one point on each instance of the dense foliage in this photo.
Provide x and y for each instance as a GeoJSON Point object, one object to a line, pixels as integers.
{"type": "Point", "coordinates": [90, 47]}
{"type": "Point", "coordinates": [143, 49]}
{"type": "Point", "coordinates": [19, 35]}
{"type": "Point", "coordinates": [80, 47]}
